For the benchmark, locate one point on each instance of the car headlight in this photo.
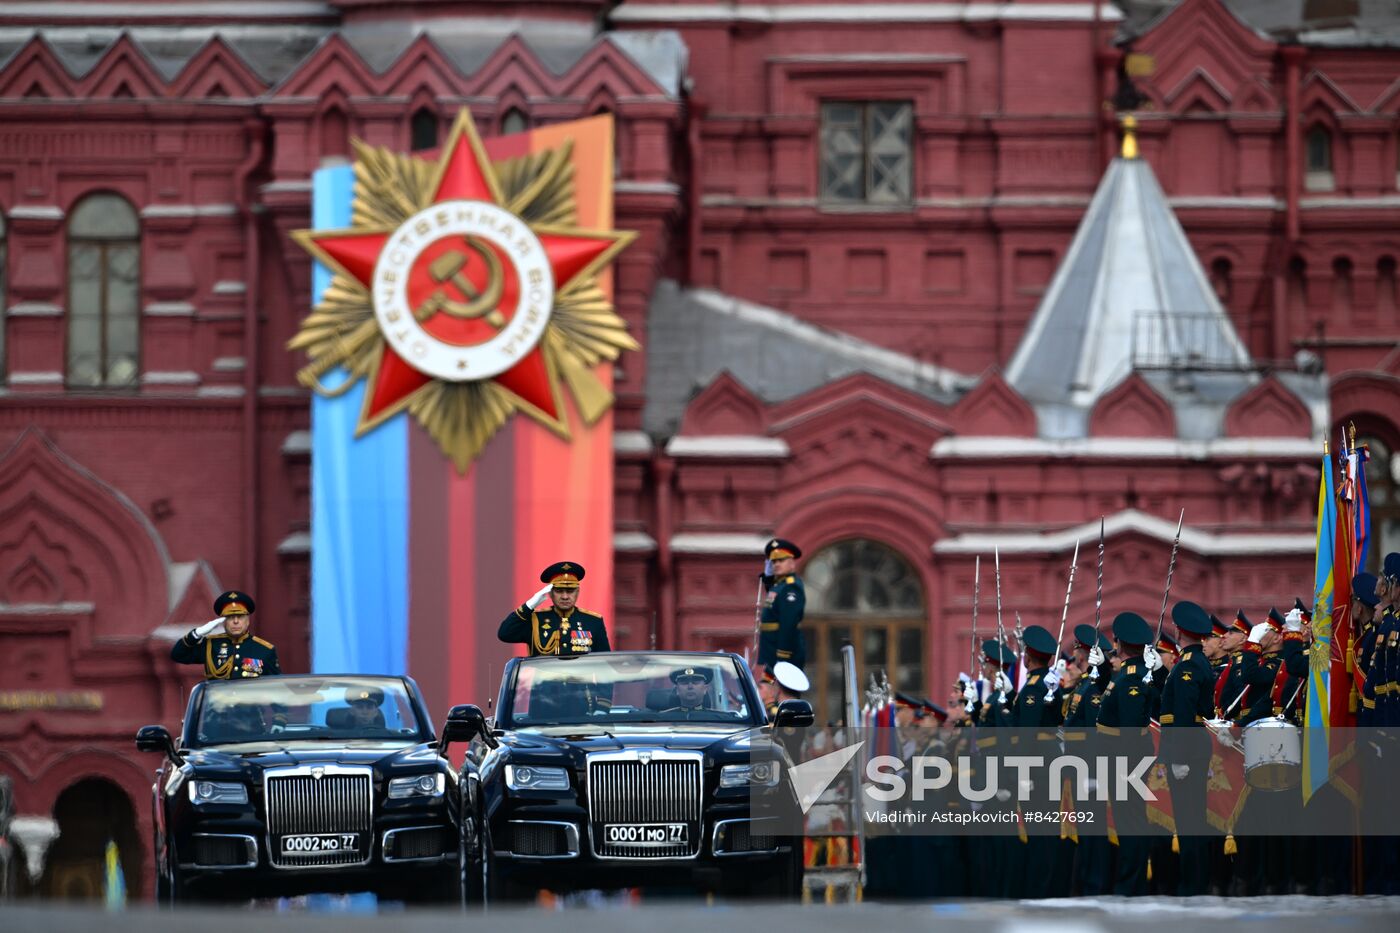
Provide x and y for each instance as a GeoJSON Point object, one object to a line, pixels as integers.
{"type": "Point", "coordinates": [217, 792]}
{"type": "Point", "coordinates": [753, 774]}
{"type": "Point", "coordinates": [419, 785]}
{"type": "Point", "coordinates": [529, 777]}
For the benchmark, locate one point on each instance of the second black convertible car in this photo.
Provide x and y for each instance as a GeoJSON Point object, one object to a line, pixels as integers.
{"type": "Point", "coordinates": [285, 785]}
{"type": "Point", "coordinates": [628, 769]}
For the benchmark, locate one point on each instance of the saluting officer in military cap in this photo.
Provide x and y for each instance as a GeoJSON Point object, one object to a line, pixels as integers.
{"type": "Point", "coordinates": [692, 689]}
{"type": "Point", "coordinates": [234, 653]}
{"type": "Point", "coordinates": [779, 638]}
{"type": "Point", "coordinates": [564, 629]}
{"type": "Point", "coordinates": [1188, 700]}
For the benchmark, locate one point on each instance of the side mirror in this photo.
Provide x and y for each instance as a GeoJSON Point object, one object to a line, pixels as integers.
{"type": "Point", "coordinates": [465, 723]}
{"type": "Point", "coordinates": [794, 714]}
{"type": "Point", "coordinates": [157, 739]}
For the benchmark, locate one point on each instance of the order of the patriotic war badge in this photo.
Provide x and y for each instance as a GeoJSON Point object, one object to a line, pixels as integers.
{"type": "Point", "coordinates": [464, 291]}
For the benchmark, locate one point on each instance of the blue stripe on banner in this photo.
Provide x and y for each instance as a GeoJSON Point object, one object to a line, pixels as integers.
{"type": "Point", "coordinates": [359, 506]}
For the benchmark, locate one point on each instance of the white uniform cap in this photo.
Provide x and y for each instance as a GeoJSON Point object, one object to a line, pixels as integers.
{"type": "Point", "coordinates": [790, 677]}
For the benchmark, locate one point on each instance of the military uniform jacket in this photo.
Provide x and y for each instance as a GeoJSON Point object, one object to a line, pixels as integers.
{"type": "Point", "coordinates": [548, 631]}
{"type": "Point", "coordinates": [778, 636]}
{"type": "Point", "coordinates": [1230, 691]}
{"type": "Point", "coordinates": [1291, 698]}
{"type": "Point", "coordinates": [1384, 671]}
{"type": "Point", "coordinates": [1081, 706]}
{"type": "Point", "coordinates": [1259, 672]}
{"type": "Point", "coordinates": [226, 658]}
{"type": "Point", "coordinates": [1365, 663]}
{"type": "Point", "coordinates": [1187, 702]}
{"type": "Point", "coordinates": [1128, 706]}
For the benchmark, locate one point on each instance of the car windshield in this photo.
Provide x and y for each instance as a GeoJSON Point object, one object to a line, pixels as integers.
{"type": "Point", "coordinates": [281, 709]}
{"type": "Point", "coordinates": [620, 687]}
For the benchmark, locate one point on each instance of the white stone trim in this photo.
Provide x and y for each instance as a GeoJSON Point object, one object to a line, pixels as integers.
{"type": "Point", "coordinates": [626, 186]}
{"type": "Point", "coordinates": [229, 364]}
{"type": "Point", "coordinates": [39, 609]}
{"type": "Point", "coordinates": [728, 445]}
{"type": "Point", "coordinates": [230, 287]}
{"type": "Point", "coordinates": [189, 210]}
{"type": "Point", "coordinates": [298, 542]}
{"type": "Point", "coordinates": [1383, 201]}
{"type": "Point", "coordinates": [296, 444]}
{"type": "Point", "coordinates": [44, 378]}
{"type": "Point", "coordinates": [59, 9]}
{"type": "Point", "coordinates": [291, 185]}
{"type": "Point", "coordinates": [633, 542]}
{"type": "Point", "coordinates": [1124, 448]}
{"type": "Point", "coordinates": [703, 543]}
{"type": "Point", "coordinates": [36, 211]}
{"type": "Point", "coordinates": [220, 391]}
{"type": "Point", "coordinates": [169, 309]}
{"type": "Point", "coordinates": [35, 309]}
{"type": "Point", "coordinates": [978, 203]}
{"type": "Point", "coordinates": [1205, 543]}
{"type": "Point", "coordinates": [157, 378]}
{"type": "Point", "coordinates": [631, 442]}
{"type": "Point", "coordinates": [861, 12]}
{"type": "Point", "coordinates": [1206, 200]}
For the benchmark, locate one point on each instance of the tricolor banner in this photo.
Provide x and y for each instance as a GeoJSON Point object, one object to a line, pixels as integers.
{"type": "Point", "coordinates": [460, 349]}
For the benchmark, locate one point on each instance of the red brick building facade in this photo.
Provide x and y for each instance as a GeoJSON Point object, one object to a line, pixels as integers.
{"type": "Point", "coordinates": [860, 206]}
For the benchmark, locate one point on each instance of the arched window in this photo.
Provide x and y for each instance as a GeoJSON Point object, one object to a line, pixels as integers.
{"type": "Point", "coordinates": [1220, 272]}
{"type": "Point", "coordinates": [423, 130]}
{"type": "Point", "coordinates": [1383, 492]}
{"type": "Point", "coordinates": [1341, 284]}
{"type": "Point", "coordinates": [866, 593]}
{"type": "Point", "coordinates": [1319, 175]}
{"type": "Point", "coordinates": [1386, 297]}
{"type": "Point", "coordinates": [104, 290]}
{"type": "Point", "coordinates": [514, 122]}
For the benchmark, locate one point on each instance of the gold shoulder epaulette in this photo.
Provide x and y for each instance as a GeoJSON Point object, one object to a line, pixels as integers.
{"type": "Point", "coordinates": [790, 579]}
{"type": "Point", "coordinates": [264, 642]}
{"type": "Point", "coordinates": [589, 612]}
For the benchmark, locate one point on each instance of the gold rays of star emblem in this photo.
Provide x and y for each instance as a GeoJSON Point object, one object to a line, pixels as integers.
{"type": "Point", "coordinates": [345, 331]}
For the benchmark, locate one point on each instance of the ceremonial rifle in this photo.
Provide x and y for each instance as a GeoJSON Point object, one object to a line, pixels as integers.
{"type": "Point", "coordinates": [1171, 566]}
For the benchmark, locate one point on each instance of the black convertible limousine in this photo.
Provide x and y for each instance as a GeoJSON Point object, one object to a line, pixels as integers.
{"type": "Point", "coordinates": [628, 769]}
{"type": "Point", "coordinates": [286, 785]}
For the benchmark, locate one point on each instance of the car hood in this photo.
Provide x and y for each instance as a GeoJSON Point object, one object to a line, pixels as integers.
{"type": "Point", "coordinates": [252, 758]}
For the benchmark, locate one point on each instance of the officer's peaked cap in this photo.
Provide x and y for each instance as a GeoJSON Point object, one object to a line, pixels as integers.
{"type": "Point", "coordinates": [780, 548]}
{"type": "Point", "coordinates": [234, 603]}
{"type": "Point", "coordinates": [564, 575]}
{"type": "Point", "coordinates": [1191, 618]}
{"type": "Point", "coordinates": [1131, 629]}
{"type": "Point", "coordinates": [1039, 639]}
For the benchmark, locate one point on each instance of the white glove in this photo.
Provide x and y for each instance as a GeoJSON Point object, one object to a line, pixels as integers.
{"type": "Point", "coordinates": [538, 598]}
{"type": "Point", "coordinates": [970, 695]}
{"type": "Point", "coordinates": [1180, 771]}
{"type": "Point", "coordinates": [1293, 622]}
{"type": "Point", "coordinates": [1052, 678]}
{"type": "Point", "coordinates": [1002, 684]}
{"type": "Point", "coordinates": [1151, 658]}
{"type": "Point", "coordinates": [204, 630]}
{"type": "Point", "coordinates": [1095, 656]}
{"type": "Point", "coordinates": [1256, 634]}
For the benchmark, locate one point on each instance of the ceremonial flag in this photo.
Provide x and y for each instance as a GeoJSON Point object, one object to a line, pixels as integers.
{"type": "Point", "coordinates": [1316, 722]}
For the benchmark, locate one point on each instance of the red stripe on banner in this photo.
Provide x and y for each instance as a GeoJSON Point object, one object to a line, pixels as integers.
{"type": "Point", "coordinates": [428, 576]}
{"type": "Point", "coordinates": [461, 565]}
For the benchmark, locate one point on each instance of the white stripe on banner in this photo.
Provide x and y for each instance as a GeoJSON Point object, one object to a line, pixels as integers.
{"type": "Point", "coordinates": [359, 506]}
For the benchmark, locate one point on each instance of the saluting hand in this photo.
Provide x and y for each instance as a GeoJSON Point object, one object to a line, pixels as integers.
{"type": "Point", "coordinates": [538, 598]}
{"type": "Point", "coordinates": [204, 630]}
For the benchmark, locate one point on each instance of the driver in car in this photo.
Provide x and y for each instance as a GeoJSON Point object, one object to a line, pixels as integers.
{"type": "Point", "coordinates": [365, 714]}
{"type": "Point", "coordinates": [692, 690]}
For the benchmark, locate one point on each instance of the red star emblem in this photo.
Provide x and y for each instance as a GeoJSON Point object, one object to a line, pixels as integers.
{"type": "Point", "coordinates": [462, 288]}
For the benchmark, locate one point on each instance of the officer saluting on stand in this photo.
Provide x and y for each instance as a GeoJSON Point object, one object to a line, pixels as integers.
{"type": "Point", "coordinates": [234, 653]}
{"type": "Point", "coordinates": [564, 629]}
{"type": "Point", "coordinates": [779, 638]}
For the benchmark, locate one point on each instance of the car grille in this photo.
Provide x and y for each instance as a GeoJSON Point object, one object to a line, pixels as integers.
{"type": "Point", "coordinates": [402, 845]}
{"type": "Point", "coordinates": [214, 851]}
{"type": "Point", "coordinates": [621, 789]}
{"type": "Point", "coordinates": [337, 802]}
{"type": "Point", "coordinates": [734, 837]}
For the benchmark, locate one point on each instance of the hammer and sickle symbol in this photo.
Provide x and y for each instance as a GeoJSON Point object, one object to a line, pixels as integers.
{"type": "Point", "coordinates": [448, 268]}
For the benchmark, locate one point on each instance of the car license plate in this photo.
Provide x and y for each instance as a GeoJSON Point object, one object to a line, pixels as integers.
{"type": "Point", "coordinates": [645, 834]}
{"type": "Point", "coordinates": [320, 843]}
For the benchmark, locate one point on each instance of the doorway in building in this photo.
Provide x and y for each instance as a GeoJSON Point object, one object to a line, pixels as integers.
{"type": "Point", "coordinates": [91, 813]}
{"type": "Point", "coordinates": [864, 592]}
